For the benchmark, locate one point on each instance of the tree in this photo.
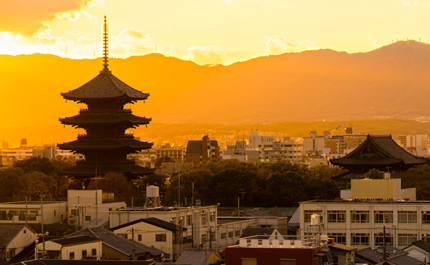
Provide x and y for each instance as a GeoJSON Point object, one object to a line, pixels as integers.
{"type": "Point", "coordinates": [9, 178]}
{"type": "Point", "coordinates": [60, 163]}
{"type": "Point", "coordinates": [161, 160]}
{"type": "Point", "coordinates": [372, 174]}
{"type": "Point", "coordinates": [40, 164]}
{"type": "Point", "coordinates": [115, 183]}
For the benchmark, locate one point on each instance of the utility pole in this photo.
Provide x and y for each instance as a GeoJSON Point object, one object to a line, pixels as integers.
{"type": "Point", "coordinates": [132, 242]}
{"type": "Point", "coordinates": [384, 251]}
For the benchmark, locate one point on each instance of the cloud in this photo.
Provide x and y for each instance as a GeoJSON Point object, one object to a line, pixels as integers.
{"type": "Point", "coordinates": [205, 54]}
{"type": "Point", "coordinates": [408, 3]}
{"type": "Point", "coordinates": [278, 45]}
{"type": "Point", "coordinates": [26, 17]}
{"type": "Point", "coordinates": [132, 35]}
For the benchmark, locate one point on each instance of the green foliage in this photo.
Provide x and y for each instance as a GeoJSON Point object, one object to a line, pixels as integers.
{"type": "Point", "coordinates": [161, 160]}
{"type": "Point", "coordinates": [257, 184]}
{"type": "Point", "coordinates": [35, 164]}
{"type": "Point", "coordinates": [116, 183]}
{"type": "Point", "coordinates": [372, 174]}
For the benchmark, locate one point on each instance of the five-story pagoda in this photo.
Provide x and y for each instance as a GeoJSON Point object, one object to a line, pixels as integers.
{"type": "Point", "coordinates": [105, 144]}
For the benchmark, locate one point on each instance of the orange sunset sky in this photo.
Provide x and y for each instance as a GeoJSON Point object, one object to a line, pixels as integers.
{"type": "Point", "coordinates": [207, 31]}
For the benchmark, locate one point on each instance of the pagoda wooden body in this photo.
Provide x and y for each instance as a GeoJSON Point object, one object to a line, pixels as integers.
{"type": "Point", "coordinates": [105, 144]}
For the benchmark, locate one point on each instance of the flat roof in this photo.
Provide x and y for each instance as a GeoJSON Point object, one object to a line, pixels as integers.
{"type": "Point", "coordinates": [30, 202]}
{"type": "Point", "coordinates": [361, 201]}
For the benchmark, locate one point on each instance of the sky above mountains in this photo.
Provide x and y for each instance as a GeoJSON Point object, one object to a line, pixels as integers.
{"type": "Point", "coordinates": [207, 31]}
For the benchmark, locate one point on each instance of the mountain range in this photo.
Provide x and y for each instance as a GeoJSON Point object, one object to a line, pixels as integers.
{"type": "Point", "coordinates": [388, 82]}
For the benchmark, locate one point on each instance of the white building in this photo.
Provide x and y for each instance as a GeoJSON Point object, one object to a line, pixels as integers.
{"type": "Point", "coordinates": [258, 142]}
{"type": "Point", "coordinates": [87, 205]}
{"type": "Point", "coordinates": [32, 212]}
{"type": "Point", "coordinates": [359, 219]}
{"type": "Point", "coordinates": [72, 248]}
{"type": "Point", "coordinates": [314, 144]}
{"type": "Point", "coordinates": [286, 151]}
{"type": "Point", "coordinates": [14, 238]}
{"type": "Point", "coordinates": [200, 221]}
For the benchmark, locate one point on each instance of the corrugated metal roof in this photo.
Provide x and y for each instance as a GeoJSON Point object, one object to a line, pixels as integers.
{"type": "Point", "coordinates": [295, 219]}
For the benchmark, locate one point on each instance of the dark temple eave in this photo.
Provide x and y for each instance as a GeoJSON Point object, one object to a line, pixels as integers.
{"type": "Point", "coordinates": [105, 118]}
{"type": "Point", "coordinates": [105, 86]}
{"type": "Point", "coordinates": [105, 144]}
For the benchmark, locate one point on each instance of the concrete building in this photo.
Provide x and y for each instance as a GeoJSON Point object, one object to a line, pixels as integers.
{"type": "Point", "coordinates": [285, 151]}
{"type": "Point", "coordinates": [200, 221]}
{"type": "Point", "coordinates": [314, 144]}
{"type": "Point", "coordinates": [241, 152]}
{"type": "Point", "coordinates": [198, 151]}
{"type": "Point", "coordinates": [87, 205]}
{"type": "Point", "coordinates": [258, 142]}
{"type": "Point", "coordinates": [32, 212]}
{"type": "Point", "coordinates": [358, 219]}
{"type": "Point", "coordinates": [171, 151]}
{"type": "Point", "coordinates": [73, 248]}
{"type": "Point", "coordinates": [157, 233]}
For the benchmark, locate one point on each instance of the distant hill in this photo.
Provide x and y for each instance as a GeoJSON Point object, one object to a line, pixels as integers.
{"type": "Point", "coordinates": [389, 82]}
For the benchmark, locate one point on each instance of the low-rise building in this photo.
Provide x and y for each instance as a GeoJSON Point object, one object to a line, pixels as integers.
{"type": "Point", "coordinates": [32, 212]}
{"type": "Point", "coordinates": [14, 238]}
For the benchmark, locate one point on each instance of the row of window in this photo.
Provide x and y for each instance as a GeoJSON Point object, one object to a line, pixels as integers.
{"type": "Point", "coordinates": [84, 253]}
{"type": "Point", "coordinates": [31, 215]}
{"type": "Point", "coordinates": [281, 262]}
{"type": "Point", "coordinates": [230, 234]}
{"type": "Point", "coordinates": [385, 217]}
{"type": "Point", "coordinates": [363, 239]}
{"type": "Point", "coordinates": [203, 219]}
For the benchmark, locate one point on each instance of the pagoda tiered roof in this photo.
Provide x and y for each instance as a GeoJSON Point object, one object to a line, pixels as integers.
{"type": "Point", "coordinates": [104, 86]}
{"type": "Point", "coordinates": [89, 143]}
{"type": "Point", "coordinates": [378, 152]}
{"type": "Point", "coordinates": [86, 117]}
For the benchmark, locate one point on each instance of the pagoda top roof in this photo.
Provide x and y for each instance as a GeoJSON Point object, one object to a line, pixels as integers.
{"type": "Point", "coordinates": [104, 86]}
{"type": "Point", "coordinates": [379, 150]}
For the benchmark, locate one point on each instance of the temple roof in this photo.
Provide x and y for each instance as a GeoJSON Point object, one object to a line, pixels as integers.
{"type": "Point", "coordinates": [88, 143]}
{"type": "Point", "coordinates": [88, 170]}
{"type": "Point", "coordinates": [104, 118]}
{"type": "Point", "coordinates": [378, 150]}
{"type": "Point", "coordinates": [104, 86]}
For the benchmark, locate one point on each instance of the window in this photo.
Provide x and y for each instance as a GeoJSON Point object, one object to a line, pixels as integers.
{"type": "Point", "coordinates": [212, 236]}
{"type": "Point", "coordinates": [223, 235]}
{"type": "Point", "coordinates": [230, 234]}
{"type": "Point", "coordinates": [204, 219]}
{"type": "Point", "coordinates": [338, 237]}
{"type": "Point", "coordinates": [336, 216]}
{"type": "Point", "coordinates": [237, 233]}
{"type": "Point", "coordinates": [249, 262]}
{"type": "Point", "coordinates": [139, 237]}
{"type": "Point", "coordinates": [74, 212]}
{"type": "Point", "coordinates": [360, 239]}
{"type": "Point", "coordinates": [11, 254]}
{"type": "Point", "coordinates": [406, 239]}
{"type": "Point", "coordinates": [204, 238]}
{"type": "Point", "coordinates": [379, 239]}
{"type": "Point", "coordinates": [167, 255]}
{"type": "Point", "coordinates": [408, 217]}
{"type": "Point", "coordinates": [33, 215]}
{"type": "Point", "coordinates": [425, 238]}
{"type": "Point", "coordinates": [160, 237]}
{"type": "Point", "coordinates": [88, 218]}
{"type": "Point", "coordinates": [94, 252]}
{"type": "Point", "coordinates": [11, 214]}
{"type": "Point", "coordinates": [212, 217]}
{"type": "Point", "coordinates": [426, 217]}
{"type": "Point", "coordinates": [123, 235]}
{"type": "Point", "coordinates": [180, 223]}
{"type": "Point", "coordinates": [72, 255]}
{"type": "Point", "coordinates": [189, 220]}
{"type": "Point", "coordinates": [385, 217]}
{"type": "Point", "coordinates": [360, 216]}
{"type": "Point", "coordinates": [173, 220]}
{"type": "Point", "coordinates": [3, 215]}
{"type": "Point", "coordinates": [288, 262]}
{"type": "Point", "coordinates": [22, 215]}
{"type": "Point", "coordinates": [84, 253]}
{"type": "Point", "coordinates": [309, 213]}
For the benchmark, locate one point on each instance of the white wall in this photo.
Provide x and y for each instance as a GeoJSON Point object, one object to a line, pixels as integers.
{"type": "Point", "coordinates": [23, 239]}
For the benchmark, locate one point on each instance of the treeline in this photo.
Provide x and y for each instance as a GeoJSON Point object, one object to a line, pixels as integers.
{"type": "Point", "coordinates": [257, 184]}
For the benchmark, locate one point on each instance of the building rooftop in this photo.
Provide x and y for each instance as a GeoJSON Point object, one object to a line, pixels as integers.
{"type": "Point", "coordinates": [152, 221]}
{"type": "Point", "coordinates": [75, 240]}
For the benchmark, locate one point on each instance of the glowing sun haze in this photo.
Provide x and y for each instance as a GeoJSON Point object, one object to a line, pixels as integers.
{"type": "Point", "coordinates": [207, 31]}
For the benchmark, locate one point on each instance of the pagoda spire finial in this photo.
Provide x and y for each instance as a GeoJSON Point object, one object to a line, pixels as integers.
{"type": "Point", "coordinates": [105, 49]}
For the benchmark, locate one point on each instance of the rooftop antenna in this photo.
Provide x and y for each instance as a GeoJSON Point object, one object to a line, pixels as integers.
{"type": "Point", "coordinates": [105, 49]}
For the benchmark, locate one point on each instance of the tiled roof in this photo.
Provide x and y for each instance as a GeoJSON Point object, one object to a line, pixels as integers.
{"type": "Point", "coordinates": [256, 231]}
{"type": "Point", "coordinates": [194, 147]}
{"type": "Point", "coordinates": [104, 118]}
{"type": "Point", "coordinates": [152, 221]}
{"type": "Point", "coordinates": [86, 262]}
{"type": "Point", "coordinates": [104, 86]}
{"type": "Point", "coordinates": [88, 143]}
{"type": "Point", "coordinates": [96, 222]}
{"type": "Point", "coordinates": [116, 241]}
{"type": "Point", "coordinates": [84, 170]}
{"type": "Point", "coordinates": [404, 260]}
{"type": "Point", "coordinates": [74, 240]}
{"type": "Point", "coordinates": [378, 150]}
{"type": "Point", "coordinates": [194, 256]}
{"type": "Point", "coordinates": [8, 232]}
{"type": "Point", "coordinates": [295, 219]}
{"type": "Point", "coordinates": [420, 244]}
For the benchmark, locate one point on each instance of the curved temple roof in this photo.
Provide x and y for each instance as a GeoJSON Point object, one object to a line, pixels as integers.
{"type": "Point", "coordinates": [104, 86]}
{"type": "Point", "coordinates": [104, 118]}
{"type": "Point", "coordinates": [88, 143]}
